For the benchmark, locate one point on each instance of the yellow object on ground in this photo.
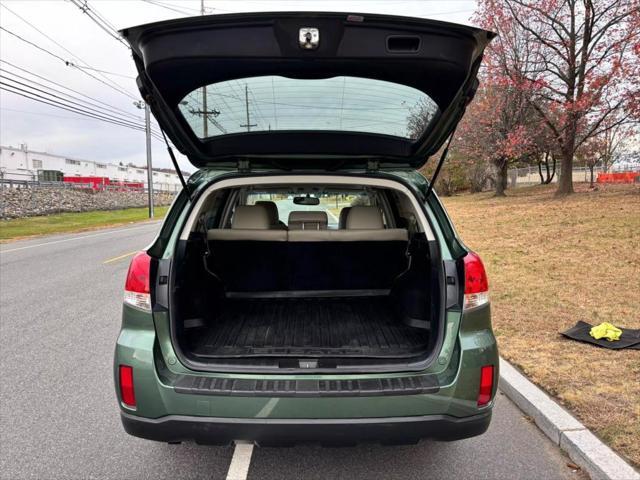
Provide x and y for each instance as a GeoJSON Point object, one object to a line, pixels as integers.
{"type": "Point", "coordinates": [606, 330]}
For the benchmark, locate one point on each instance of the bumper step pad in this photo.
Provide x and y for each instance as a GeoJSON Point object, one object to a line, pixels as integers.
{"type": "Point", "coordinates": [413, 385]}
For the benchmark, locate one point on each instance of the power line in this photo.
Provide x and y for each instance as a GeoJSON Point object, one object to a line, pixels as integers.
{"type": "Point", "coordinates": [182, 8]}
{"type": "Point", "coordinates": [235, 96]}
{"type": "Point", "coordinates": [107, 72]}
{"type": "Point", "coordinates": [44, 100]}
{"type": "Point", "coordinates": [67, 63]}
{"type": "Point", "coordinates": [99, 20]}
{"type": "Point", "coordinates": [256, 107]}
{"type": "Point", "coordinates": [38, 113]}
{"type": "Point", "coordinates": [155, 135]}
{"type": "Point", "coordinates": [69, 105]}
{"type": "Point", "coordinates": [98, 111]}
{"type": "Point", "coordinates": [85, 64]}
{"type": "Point", "coordinates": [173, 9]}
{"type": "Point", "coordinates": [91, 100]}
{"type": "Point", "coordinates": [104, 19]}
{"type": "Point", "coordinates": [33, 44]}
{"type": "Point", "coordinates": [70, 89]}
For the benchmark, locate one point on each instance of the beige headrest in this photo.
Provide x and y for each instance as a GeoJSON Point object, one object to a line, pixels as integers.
{"type": "Point", "coordinates": [272, 210]}
{"type": "Point", "coordinates": [250, 217]}
{"type": "Point", "coordinates": [362, 218]}
{"type": "Point", "coordinates": [308, 220]}
{"type": "Point", "coordinates": [342, 221]}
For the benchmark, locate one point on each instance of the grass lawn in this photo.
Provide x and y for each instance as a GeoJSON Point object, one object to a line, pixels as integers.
{"type": "Point", "coordinates": [72, 222]}
{"type": "Point", "coordinates": [550, 263]}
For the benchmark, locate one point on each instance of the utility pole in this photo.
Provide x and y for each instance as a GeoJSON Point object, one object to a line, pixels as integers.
{"type": "Point", "coordinates": [205, 117]}
{"type": "Point", "coordinates": [147, 129]}
{"type": "Point", "coordinates": [246, 103]}
{"type": "Point", "coordinates": [211, 117]}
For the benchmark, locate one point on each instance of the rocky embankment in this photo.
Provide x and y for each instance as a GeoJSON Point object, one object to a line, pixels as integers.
{"type": "Point", "coordinates": [30, 202]}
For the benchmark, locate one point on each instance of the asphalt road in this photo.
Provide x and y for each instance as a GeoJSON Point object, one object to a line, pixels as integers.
{"type": "Point", "coordinates": [60, 301]}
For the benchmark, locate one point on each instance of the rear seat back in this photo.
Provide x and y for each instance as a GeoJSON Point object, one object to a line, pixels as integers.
{"type": "Point", "coordinates": [274, 216]}
{"type": "Point", "coordinates": [248, 256]}
{"type": "Point", "coordinates": [308, 220]}
{"type": "Point", "coordinates": [364, 256]}
{"type": "Point", "coordinates": [363, 224]}
{"type": "Point", "coordinates": [342, 220]}
{"type": "Point", "coordinates": [364, 218]}
{"type": "Point", "coordinates": [250, 223]}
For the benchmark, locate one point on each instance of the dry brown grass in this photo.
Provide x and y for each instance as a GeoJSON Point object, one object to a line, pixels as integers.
{"type": "Point", "coordinates": [550, 263]}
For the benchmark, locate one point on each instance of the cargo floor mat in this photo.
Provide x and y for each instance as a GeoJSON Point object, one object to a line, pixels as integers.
{"type": "Point", "coordinates": [309, 327]}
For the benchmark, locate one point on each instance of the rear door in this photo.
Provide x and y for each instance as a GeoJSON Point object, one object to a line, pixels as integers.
{"type": "Point", "coordinates": [307, 90]}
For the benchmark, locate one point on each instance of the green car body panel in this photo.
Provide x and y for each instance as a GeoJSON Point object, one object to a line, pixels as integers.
{"type": "Point", "coordinates": [417, 62]}
{"type": "Point", "coordinates": [145, 344]}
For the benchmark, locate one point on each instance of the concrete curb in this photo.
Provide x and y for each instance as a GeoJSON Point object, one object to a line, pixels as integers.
{"type": "Point", "coordinates": [582, 446]}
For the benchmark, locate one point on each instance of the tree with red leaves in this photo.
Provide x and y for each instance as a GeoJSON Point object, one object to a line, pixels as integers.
{"type": "Point", "coordinates": [633, 65]}
{"type": "Point", "coordinates": [495, 128]}
{"type": "Point", "coordinates": [501, 126]}
{"type": "Point", "coordinates": [573, 60]}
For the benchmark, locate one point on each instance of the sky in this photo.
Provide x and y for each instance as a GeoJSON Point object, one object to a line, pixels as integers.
{"type": "Point", "coordinates": [68, 33]}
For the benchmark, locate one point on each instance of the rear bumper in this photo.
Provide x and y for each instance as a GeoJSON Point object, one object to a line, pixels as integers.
{"type": "Point", "coordinates": [286, 432]}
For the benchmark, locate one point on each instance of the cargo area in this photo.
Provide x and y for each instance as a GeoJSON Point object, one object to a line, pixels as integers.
{"type": "Point", "coordinates": [308, 327]}
{"type": "Point", "coordinates": [276, 285]}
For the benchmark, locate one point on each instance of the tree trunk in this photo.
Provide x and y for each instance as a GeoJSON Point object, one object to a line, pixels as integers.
{"type": "Point", "coordinates": [591, 167]}
{"type": "Point", "coordinates": [501, 180]}
{"type": "Point", "coordinates": [565, 182]}
{"type": "Point", "coordinates": [549, 173]}
{"type": "Point", "coordinates": [542, 182]}
{"type": "Point", "coordinates": [553, 172]}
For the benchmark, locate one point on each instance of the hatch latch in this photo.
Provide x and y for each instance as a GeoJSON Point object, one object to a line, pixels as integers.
{"type": "Point", "coordinates": [244, 165]}
{"type": "Point", "coordinates": [373, 165]}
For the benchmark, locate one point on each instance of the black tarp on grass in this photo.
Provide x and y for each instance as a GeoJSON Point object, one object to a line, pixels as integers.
{"type": "Point", "coordinates": [630, 338]}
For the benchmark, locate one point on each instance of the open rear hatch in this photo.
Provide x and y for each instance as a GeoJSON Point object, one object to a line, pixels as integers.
{"type": "Point", "coordinates": [301, 91]}
{"type": "Point", "coordinates": [307, 90]}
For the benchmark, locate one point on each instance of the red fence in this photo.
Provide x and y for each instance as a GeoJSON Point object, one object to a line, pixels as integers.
{"type": "Point", "coordinates": [102, 183]}
{"type": "Point", "coordinates": [620, 177]}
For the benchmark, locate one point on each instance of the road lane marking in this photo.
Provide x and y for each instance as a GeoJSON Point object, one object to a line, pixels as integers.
{"type": "Point", "coordinates": [240, 462]}
{"type": "Point", "coordinates": [120, 257]}
{"type": "Point", "coordinates": [78, 238]}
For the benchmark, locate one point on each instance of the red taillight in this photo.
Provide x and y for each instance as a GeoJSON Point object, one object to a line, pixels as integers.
{"type": "Point", "coordinates": [486, 385]}
{"type": "Point", "coordinates": [476, 285]}
{"type": "Point", "coordinates": [127, 392]}
{"type": "Point", "coordinates": [136, 288]}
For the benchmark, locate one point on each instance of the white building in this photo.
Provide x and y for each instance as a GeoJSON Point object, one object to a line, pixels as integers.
{"type": "Point", "coordinates": [23, 164]}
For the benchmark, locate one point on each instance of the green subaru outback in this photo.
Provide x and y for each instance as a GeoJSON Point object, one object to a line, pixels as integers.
{"type": "Point", "coordinates": [307, 284]}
